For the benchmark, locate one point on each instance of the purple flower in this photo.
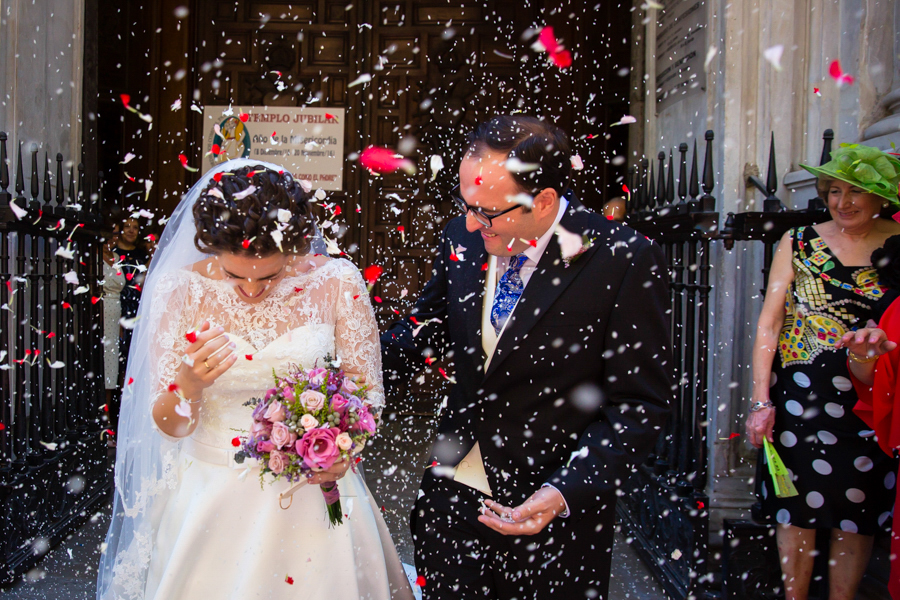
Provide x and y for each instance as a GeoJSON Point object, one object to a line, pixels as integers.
{"type": "Point", "coordinates": [265, 446]}
{"type": "Point", "coordinates": [317, 377]}
{"type": "Point", "coordinates": [365, 421]}
{"type": "Point", "coordinates": [260, 410]}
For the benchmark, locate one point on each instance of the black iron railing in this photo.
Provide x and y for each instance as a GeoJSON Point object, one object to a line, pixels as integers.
{"type": "Point", "coordinates": [668, 514]}
{"type": "Point", "coordinates": [53, 462]}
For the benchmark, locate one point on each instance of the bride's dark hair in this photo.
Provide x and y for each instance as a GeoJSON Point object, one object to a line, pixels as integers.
{"type": "Point", "coordinates": [244, 225]}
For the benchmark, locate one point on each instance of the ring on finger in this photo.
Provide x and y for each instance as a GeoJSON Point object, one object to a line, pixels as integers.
{"type": "Point", "coordinates": [206, 364]}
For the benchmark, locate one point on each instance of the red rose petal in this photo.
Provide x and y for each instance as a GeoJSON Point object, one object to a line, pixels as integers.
{"type": "Point", "coordinates": [401, 229]}
{"type": "Point", "coordinates": [484, 267]}
{"type": "Point", "coordinates": [236, 442]}
{"type": "Point", "coordinates": [245, 244]}
{"type": "Point", "coordinates": [289, 580]}
{"type": "Point", "coordinates": [356, 296]}
{"type": "Point", "coordinates": [173, 387]}
{"type": "Point", "coordinates": [337, 211]}
{"type": "Point", "coordinates": [106, 408]}
{"type": "Point", "coordinates": [454, 257]}
{"type": "Point", "coordinates": [183, 160]}
{"type": "Point", "coordinates": [562, 59]}
{"type": "Point", "coordinates": [734, 435]}
{"type": "Point", "coordinates": [129, 276]}
{"type": "Point", "coordinates": [248, 356]}
{"type": "Point", "coordinates": [217, 177]}
{"type": "Point", "coordinates": [372, 273]}
{"type": "Point", "coordinates": [479, 180]}
{"type": "Point", "coordinates": [130, 381]}
{"type": "Point", "coordinates": [216, 149]}
{"type": "Point", "coordinates": [330, 116]}
{"type": "Point", "coordinates": [377, 299]}
{"type": "Point", "coordinates": [191, 336]}
{"type": "Point", "coordinates": [2, 426]}
{"type": "Point", "coordinates": [244, 117]}
{"type": "Point", "coordinates": [51, 335]}
{"type": "Point", "coordinates": [126, 99]}
{"type": "Point", "coordinates": [94, 299]}
{"type": "Point", "coordinates": [66, 305]}
{"type": "Point", "coordinates": [420, 581]}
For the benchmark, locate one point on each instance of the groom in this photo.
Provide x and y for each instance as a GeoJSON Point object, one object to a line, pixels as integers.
{"type": "Point", "coordinates": [559, 351]}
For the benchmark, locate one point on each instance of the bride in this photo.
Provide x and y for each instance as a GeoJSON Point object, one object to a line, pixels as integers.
{"type": "Point", "coordinates": [234, 293]}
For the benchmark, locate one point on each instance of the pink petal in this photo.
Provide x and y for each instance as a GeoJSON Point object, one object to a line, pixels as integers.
{"type": "Point", "coordinates": [548, 40]}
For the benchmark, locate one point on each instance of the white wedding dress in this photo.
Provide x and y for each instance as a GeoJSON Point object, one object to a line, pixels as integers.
{"type": "Point", "coordinates": [219, 534]}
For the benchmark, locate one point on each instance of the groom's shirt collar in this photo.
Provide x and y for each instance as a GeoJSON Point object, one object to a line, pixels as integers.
{"type": "Point", "coordinates": [534, 253]}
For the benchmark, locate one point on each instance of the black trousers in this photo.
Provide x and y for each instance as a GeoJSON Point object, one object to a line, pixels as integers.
{"type": "Point", "coordinates": [460, 557]}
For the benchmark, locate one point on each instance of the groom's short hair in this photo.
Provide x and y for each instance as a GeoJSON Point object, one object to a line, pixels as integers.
{"type": "Point", "coordinates": [532, 141]}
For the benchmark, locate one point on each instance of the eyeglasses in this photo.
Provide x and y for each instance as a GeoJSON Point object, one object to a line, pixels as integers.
{"type": "Point", "coordinates": [477, 211]}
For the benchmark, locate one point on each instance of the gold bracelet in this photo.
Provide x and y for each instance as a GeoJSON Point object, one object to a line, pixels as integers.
{"type": "Point", "coordinates": [859, 360]}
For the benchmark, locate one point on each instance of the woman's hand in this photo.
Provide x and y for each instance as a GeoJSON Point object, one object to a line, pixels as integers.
{"type": "Point", "coordinates": [331, 474]}
{"type": "Point", "coordinates": [867, 342]}
{"type": "Point", "coordinates": [760, 424]}
{"type": "Point", "coordinates": [208, 357]}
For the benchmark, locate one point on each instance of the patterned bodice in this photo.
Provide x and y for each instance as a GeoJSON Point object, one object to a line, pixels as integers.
{"type": "Point", "coordinates": [325, 311]}
{"type": "Point", "coordinates": [825, 300]}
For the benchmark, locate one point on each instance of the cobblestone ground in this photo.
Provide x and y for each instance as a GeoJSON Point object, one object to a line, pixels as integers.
{"type": "Point", "coordinates": [393, 471]}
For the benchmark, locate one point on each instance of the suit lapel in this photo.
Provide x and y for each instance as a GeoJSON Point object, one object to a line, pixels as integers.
{"type": "Point", "coordinates": [470, 291]}
{"type": "Point", "coordinates": [549, 280]}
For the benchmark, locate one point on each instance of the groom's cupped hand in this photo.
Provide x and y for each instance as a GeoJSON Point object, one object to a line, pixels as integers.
{"type": "Point", "coordinates": [529, 518]}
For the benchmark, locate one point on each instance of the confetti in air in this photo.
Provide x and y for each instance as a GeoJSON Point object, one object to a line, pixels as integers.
{"type": "Point", "coordinates": [836, 73]}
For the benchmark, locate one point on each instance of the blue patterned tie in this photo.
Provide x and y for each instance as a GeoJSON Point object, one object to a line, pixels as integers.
{"type": "Point", "coordinates": [508, 291]}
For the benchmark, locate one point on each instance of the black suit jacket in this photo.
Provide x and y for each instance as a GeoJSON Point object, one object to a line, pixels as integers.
{"type": "Point", "coordinates": [579, 387]}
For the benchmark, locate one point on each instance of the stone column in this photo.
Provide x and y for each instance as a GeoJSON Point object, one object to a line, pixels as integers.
{"type": "Point", "coordinates": [41, 54]}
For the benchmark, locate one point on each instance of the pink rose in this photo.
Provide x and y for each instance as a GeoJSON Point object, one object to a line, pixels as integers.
{"type": "Point", "coordinates": [265, 446]}
{"type": "Point", "coordinates": [308, 422]}
{"type": "Point", "coordinates": [317, 377]}
{"type": "Point", "coordinates": [271, 392]}
{"type": "Point", "coordinates": [312, 400]}
{"type": "Point", "coordinates": [349, 387]}
{"type": "Point", "coordinates": [339, 404]}
{"type": "Point", "coordinates": [318, 448]}
{"type": "Point", "coordinates": [277, 462]}
{"type": "Point", "coordinates": [365, 420]}
{"type": "Point", "coordinates": [288, 393]}
{"type": "Point", "coordinates": [281, 435]}
{"type": "Point", "coordinates": [343, 441]}
{"type": "Point", "coordinates": [260, 429]}
{"type": "Point", "coordinates": [275, 412]}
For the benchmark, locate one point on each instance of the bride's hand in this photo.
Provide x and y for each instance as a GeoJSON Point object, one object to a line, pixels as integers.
{"type": "Point", "coordinates": [208, 357]}
{"type": "Point", "coordinates": [356, 378]}
{"type": "Point", "coordinates": [335, 472]}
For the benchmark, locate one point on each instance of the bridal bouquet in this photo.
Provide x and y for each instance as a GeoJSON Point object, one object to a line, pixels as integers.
{"type": "Point", "coordinates": [308, 421]}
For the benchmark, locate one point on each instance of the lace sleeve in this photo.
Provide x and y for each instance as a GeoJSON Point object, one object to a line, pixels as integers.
{"type": "Point", "coordinates": [173, 313]}
{"type": "Point", "coordinates": [356, 334]}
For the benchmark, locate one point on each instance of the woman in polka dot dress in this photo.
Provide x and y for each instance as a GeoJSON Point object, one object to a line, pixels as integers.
{"type": "Point", "coordinates": [821, 286]}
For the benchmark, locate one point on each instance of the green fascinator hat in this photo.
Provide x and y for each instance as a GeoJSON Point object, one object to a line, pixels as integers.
{"type": "Point", "coordinates": [868, 168]}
